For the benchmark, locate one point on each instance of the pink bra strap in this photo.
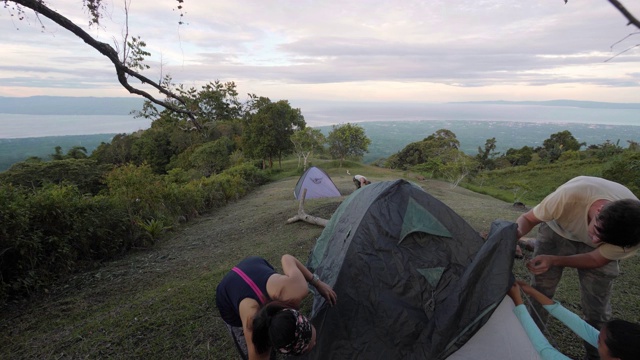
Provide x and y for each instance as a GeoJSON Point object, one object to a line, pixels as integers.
{"type": "Point", "coordinates": [251, 284]}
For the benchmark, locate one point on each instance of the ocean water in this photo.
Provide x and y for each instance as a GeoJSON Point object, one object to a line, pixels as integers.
{"type": "Point", "coordinates": [393, 126]}
{"type": "Point", "coordinates": [13, 126]}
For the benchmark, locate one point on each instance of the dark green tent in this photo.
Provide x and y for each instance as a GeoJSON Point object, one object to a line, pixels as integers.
{"type": "Point", "coordinates": [414, 280]}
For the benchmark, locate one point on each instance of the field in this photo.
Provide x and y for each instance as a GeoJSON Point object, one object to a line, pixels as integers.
{"type": "Point", "coordinates": [159, 302]}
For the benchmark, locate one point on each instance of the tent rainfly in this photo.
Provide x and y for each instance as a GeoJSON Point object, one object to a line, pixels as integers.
{"type": "Point", "coordinates": [414, 281]}
{"type": "Point", "coordinates": [318, 184]}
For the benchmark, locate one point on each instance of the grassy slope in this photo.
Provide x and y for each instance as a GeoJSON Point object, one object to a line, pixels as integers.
{"type": "Point", "coordinates": [159, 303]}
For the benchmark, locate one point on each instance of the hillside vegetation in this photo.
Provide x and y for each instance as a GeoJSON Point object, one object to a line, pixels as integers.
{"type": "Point", "coordinates": [158, 302]}
{"type": "Point", "coordinates": [118, 251]}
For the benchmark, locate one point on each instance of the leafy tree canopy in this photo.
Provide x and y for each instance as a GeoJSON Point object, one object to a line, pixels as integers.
{"type": "Point", "coordinates": [347, 140]}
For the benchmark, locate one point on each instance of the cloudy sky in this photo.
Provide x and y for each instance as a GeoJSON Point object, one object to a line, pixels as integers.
{"type": "Point", "coordinates": [347, 50]}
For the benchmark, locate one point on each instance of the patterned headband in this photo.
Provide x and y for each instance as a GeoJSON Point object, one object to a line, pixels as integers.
{"type": "Point", "coordinates": [302, 336]}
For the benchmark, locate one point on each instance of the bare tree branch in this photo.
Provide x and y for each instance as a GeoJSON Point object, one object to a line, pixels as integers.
{"type": "Point", "coordinates": [622, 52]}
{"type": "Point", "coordinates": [626, 13]}
{"type": "Point", "coordinates": [105, 49]}
{"type": "Point", "coordinates": [302, 216]}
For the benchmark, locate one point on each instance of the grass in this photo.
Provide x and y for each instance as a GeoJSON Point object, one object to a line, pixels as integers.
{"type": "Point", "coordinates": [159, 303]}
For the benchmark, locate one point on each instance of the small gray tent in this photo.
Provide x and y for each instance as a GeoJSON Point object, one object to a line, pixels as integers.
{"type": "Point", "coordinates": [318, 185]}
{"type": "Point", "coordinates": [414, 281]}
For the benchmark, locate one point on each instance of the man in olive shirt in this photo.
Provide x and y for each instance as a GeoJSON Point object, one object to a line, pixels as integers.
{"type": "Point", "coordinates": [589, 224]}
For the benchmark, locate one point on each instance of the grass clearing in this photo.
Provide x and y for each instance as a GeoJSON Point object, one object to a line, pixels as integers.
{"type": "Point", "coordinates": [159, 303]}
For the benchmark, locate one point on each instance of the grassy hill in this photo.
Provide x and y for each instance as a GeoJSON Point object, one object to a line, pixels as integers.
{"type": "Point", "coordinates": [159, 302]}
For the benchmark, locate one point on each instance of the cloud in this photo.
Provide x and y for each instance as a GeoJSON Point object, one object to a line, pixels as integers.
{"type": "Point", "coordinates": [318, 49]}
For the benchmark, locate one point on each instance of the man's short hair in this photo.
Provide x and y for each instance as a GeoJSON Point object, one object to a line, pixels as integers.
{"type": "Point", "coordinates": [619, 223]}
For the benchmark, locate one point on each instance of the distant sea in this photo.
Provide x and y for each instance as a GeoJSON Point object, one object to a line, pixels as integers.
{"type": "Point", "coordinates": [392, 126]}
{"type": "Point", "coordinates": [13, 126]}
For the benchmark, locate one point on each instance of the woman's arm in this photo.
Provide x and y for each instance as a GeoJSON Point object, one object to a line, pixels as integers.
{"type": "Point", "coordinates": [534, 293]}
{"type": "Point", "coordinates": [247, 309]}
{"type": "Point", "coordinates": [292, 286]}
{"type": "Point", "coordinates": [539, 342]}
{"type": "Point", "coordinates": [573, 321]}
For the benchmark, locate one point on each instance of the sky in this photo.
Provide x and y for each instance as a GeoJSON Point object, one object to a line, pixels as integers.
{"type": "Point", "coordinates": [309, 51]}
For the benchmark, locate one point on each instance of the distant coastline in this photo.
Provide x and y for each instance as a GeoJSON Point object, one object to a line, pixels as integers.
{"type": "Point", "coordinates": [390, 126]}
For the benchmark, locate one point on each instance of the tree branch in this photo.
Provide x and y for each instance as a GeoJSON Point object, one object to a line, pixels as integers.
{"type": "Point", "coordinates": [302, 216]}
{"type": "Point", "coordinates": [626, 13]}
{"type": "Point", "coordinates": [105, 49]}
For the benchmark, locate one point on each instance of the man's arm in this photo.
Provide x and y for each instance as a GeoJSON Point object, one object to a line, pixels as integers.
{"type": "Point", "coordinates": [591, 260]}
{"type": "Point", "coordinates": [526, 222]}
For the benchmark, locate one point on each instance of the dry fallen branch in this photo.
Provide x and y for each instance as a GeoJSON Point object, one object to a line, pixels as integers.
{"type": "Point", "coordinates": [302, 216]}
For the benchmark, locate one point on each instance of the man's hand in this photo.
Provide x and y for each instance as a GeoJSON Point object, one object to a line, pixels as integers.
{"type": "Point", "coordinates": [540, 264]}
{"type": "Point", "coordinates": [590, 260]}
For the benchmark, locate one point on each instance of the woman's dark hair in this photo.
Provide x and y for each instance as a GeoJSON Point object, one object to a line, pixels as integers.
{"type": "Point", "coordinates": [619, 223]}
{"type": "Point", "coordinates": [623, 339]}
{"type": "Point", "coordinates": [272, 326]}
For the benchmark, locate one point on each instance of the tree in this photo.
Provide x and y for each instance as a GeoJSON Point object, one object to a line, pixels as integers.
{"type": "Point", "coordinates": [268, 129]}
{"type": "Point", "coordinates": [429, 150]}
{"type": "Point", "coordinates": [518, 157]}
{"type": "Point", "coordinates": [631, 19]}
{"type": "Point", "coordinates": [305, 141]}
{"type": "Point", "coordinates": [558, 143]}
{"type": "Point", "coordinates": [213, 103]}
{"type": "Point", "coordinates": [625, 170]}
{"type": "Point", "coordinates": [118, 152]}
{"type": "Point", "coordinates": [347, 140]}
{"type": "Point", "coordinates": [212, 157]}
{"type": "Point", "coordinates": [456, 166]}
{"type": "Point", "coordinates": [487, 155]}
{"type": "Point", "coordinates": [126, 63]}
{"type": "Point", "coordinates": [77, 152]}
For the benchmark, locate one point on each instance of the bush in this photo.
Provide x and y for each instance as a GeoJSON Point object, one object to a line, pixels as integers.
{"type": "Point", "coordinates": [86, 174]}
{"type": "Point", "coordinates": [51, 232]}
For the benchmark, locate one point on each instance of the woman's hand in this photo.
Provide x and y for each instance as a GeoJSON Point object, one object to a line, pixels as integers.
{"type": "Point", "coordinates": [534, 293]}
{"type": "Point", "coordinates": [326, 291]}
{"type": "Point", "coordinates": [514, 294]}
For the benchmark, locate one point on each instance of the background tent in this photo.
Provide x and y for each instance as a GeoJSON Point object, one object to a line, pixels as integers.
{"type": "Point", "coordinates": [414, 281]}
{"type": "Point", "coordinates": [318, 184]}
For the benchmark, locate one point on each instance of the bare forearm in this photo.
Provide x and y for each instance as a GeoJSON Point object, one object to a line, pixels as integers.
{"type": "Point", "coordinates": [526, 222]}
{"type": "Point", "coordinates": [580, 261]}
{"type": "Point", "coordinates": [290, 263]}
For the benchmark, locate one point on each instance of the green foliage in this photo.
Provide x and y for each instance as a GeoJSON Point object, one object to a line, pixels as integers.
{"type": "Point", "coordinates": [268, 129]}
{"type": "Point", "coordinates": [153, 147]}
{"type": "Point", "coordinates": [52, 230]}
{"type": "Point", "coordinates": [434, 149]}
{"type": "Point", "coordinates": [625, 170]}
{"type": "Point", "coordinates": [153, 228]}
{"type": "Point", "coordinates": [347, 140]}
{"type": "Point", "coordinates": [556, 144]}
{"type": "Point", "coordinates": [530, 184]}
{"type": "Point", "coordinates": [486, 157]}
{"type": "Point", "coordinates": [86, 174]}
{"type": "Point", "coordinates": [135, 54]}
{"type": "Point", "coordinates": [212, 157]}
{"type": "Point", "coordinates": [13, 151]}
{"type": "Point", "coordinates": [116, 152]}
{"type": "Point", "coordinates": [518, 157]}
{"type": "Point", "coordinates": [305, 142]}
